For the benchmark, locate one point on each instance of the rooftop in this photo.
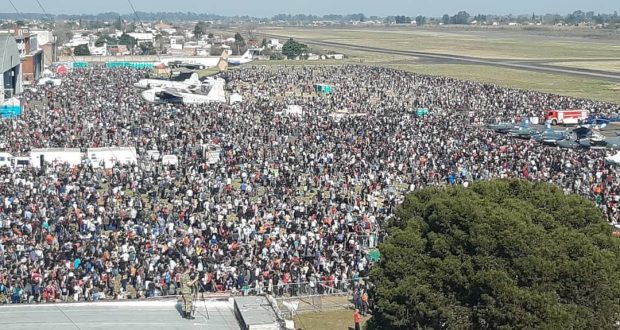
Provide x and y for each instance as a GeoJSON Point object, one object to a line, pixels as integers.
{"type": "Point", "coordinates": [134, 315]}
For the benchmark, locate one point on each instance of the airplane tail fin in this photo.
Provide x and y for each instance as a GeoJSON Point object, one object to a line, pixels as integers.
{"type": "Point", "coordinates": [193, 79]}
{"type": "Point", "coordinates": [222, 65]}
{"type": "Point", "coordinates": [525, 122]}
{"type": "Point", "coordinates": [216, 93]}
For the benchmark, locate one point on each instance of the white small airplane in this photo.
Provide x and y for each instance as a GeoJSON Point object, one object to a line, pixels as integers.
{"type": "Point", "coordinates": [613, 160]}
{"type": "Point", "coordinates": [212, 61]}
{"type": "Point", "coordinates": [211, 91]}
{"type": "Point", "coordinates": [182, 80]}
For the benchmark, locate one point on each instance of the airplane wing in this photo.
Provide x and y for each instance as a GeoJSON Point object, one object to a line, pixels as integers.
{"type": "Point", "coordinates": [170, 93]}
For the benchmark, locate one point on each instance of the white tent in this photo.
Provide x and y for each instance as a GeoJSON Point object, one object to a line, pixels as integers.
{"type": "Point", "coordinates": [236, 98]}
{"type": "Point", "coordinates": [293, 110]}
{"type": "Point", "coordinates": [47, 73]}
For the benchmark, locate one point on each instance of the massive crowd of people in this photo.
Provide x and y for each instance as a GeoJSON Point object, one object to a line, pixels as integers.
{"type": "Point", "coordinates": [295, 203]}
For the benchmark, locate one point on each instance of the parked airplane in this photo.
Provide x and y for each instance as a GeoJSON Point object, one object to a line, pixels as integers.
{"type": "Point", "coordinates": [598, 141]}
{"type": "Point", "coordinates": [180, 80]}
{"type": "Point", "coordinates": [504, 128]}
{"type": "Point", "coordinates": [212, 90]}
{"type": "Point", "coordinates": [550, 136]}
{"type": "Point", "coordinates": [613, 160]}
{"type": "Point", "coordinates": [213, 61]}
{"type": "Point", "coordinates": [524, 131]}
{"type": "Point", "coordinates": [571, 141]}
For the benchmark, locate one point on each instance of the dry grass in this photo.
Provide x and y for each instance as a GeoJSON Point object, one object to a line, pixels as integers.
{"type": "Point", "coordinates": [508, 46]}
{"type": "Point", "coordinates": [613, 66]}
{"type": "Point", "coordinates": [549, 83]}
{"type": "Point", "coordinates": [498, 45]}
{"type": "Point", "coordinates": [332, 320]}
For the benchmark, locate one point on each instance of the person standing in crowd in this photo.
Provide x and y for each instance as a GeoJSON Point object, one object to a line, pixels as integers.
{"type": "Point", "coordinates": [357, 319]}
{"type": "Point", "coordinates": [187, 289]}
{"type": "Point", "coordinates": [261, 201]}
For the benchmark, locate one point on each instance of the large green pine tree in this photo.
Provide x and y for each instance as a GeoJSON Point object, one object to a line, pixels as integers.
{"type": "Point", "coordinates": [497, 255]}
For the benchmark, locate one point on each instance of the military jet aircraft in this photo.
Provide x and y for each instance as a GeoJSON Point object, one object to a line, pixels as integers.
{"type": "Point", "coordinates": [550, 136]}
{"type": "Point", "coordinates": [504, 128]}
{"type": "Point", "coordinates": [571, 141]}
{"type": "Point", "coordinates": [613, 160]}
{"type": "Point", "coordinates": [523, 132]}
{"type": "Point", "coordinates": [599, 141]}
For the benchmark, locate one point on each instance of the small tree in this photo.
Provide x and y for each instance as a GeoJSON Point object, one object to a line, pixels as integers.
{"type": "Point", "coordinates": [81, 50]}
{"type": "Point", "coordinates": [292, 48]}
{"type": "Point", "coordinates": [503, 254]}
{"type": "Point", "coordinates": [127, 40]}
{"type": "Point", "coordinates": [420, 20]}
{"type": "Point", "coordinates": [239, 42]}
{"type": "Point", "coordinates": [445, 19]}
{"type": "Point", "coordinates": [199, 30]}
{"type": "Point", "coordinates": [147, 48]}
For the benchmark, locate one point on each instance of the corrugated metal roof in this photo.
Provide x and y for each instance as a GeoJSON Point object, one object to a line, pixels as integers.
{"type": "Point", "coordinates": [256, 311]}
{"type": "Point", "coordinates": [9, 55]}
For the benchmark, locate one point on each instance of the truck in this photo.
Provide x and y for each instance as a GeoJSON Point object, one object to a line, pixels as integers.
{"type": "Point", "coordinates": [71, 156]}
{"type": "Point", "coordinates": [566, 117]}
{"type": "Point", "coordinates": [110, 156]}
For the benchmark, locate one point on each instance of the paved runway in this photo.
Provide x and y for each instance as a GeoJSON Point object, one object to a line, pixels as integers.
{"type": "Point", "coordinates": [135, 315]}
{"type": "Point", "coordinates": [533, 66]}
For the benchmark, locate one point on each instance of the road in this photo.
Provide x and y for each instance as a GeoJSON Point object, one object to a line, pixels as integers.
{"type": "Point", "coordinates": [527, 65]}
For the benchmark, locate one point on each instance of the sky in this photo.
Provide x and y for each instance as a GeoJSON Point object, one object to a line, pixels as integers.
{"type": "Point", "coordinates": [268, 8]}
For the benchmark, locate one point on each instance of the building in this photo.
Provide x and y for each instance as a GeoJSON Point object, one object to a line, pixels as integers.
{"type": "Point", "coordinates": [9, 67]}
{"type": "Point", "coordinates": [142, 37]}
{"type": "Point", "coordinates": [30, 54]}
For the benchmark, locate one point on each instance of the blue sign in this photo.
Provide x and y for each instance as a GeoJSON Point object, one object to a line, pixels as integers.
{"type": "Point", "coordinates": [132, 65]}
{"type": "Point", "coordinates": [11, 108]}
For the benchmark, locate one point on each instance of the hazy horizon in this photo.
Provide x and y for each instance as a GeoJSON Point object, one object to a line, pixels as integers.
{"type": "Point", "coordinates": [268, 8]}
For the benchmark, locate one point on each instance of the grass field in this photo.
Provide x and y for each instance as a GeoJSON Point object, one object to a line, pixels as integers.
{"type": "Point", "coordinates": [471, 43]}
{"type": "Point", "coordinates": [332, 320]}
{"type": "Point", "coordinates": [613, 66]}
{"type": "Point", "coordinates": [577, 52]}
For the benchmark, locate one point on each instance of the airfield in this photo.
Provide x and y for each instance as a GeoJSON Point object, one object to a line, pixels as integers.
{"type": "Point", "coordinates": [575, 62]}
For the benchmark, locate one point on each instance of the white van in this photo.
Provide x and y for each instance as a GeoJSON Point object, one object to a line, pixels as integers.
{"type": "Point", "coordinates": [153, 155]}
{"type": "Point", "coordinates": [6, 159]}
{"type": "Point", "coordinates": [21, 162]}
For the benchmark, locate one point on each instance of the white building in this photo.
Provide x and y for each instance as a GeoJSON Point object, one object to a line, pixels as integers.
{"type": "Point", "coordinates": [142, 37]}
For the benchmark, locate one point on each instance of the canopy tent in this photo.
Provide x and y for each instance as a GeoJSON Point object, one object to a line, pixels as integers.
{"type": "Point", "coordinates": [294, 110]}
{"type": "Point", "coordinates": [236, 98]}
{"type": "Point", "coordinates": [11, 108]}
{"type": "Point", "coordinates": [47, 73]}
{"type": "Point", "coordinates": [374, 255]}
{"type": "Point", "coordinates": [421, 112]}
{"type": "Point", "coordinates": [80, 65]}
{"type": "Point", "coordinates": [323, 89]}
{"type": "Point", "coordinates": [62, 70]}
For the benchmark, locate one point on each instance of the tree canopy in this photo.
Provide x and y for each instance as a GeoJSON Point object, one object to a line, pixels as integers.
{"type": "Point", "coordinates": [147, 48]}
{"type": "Point", "coordinates": [127, 40]}
{"type": "Point", "coordinates": [292, 48]}
{"type": "Point", "coordinates": [497, 255]}
{"type": "Point", "coordinates": [200, 29]}
{"type": "Point", "coordinates": [81, 50]}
